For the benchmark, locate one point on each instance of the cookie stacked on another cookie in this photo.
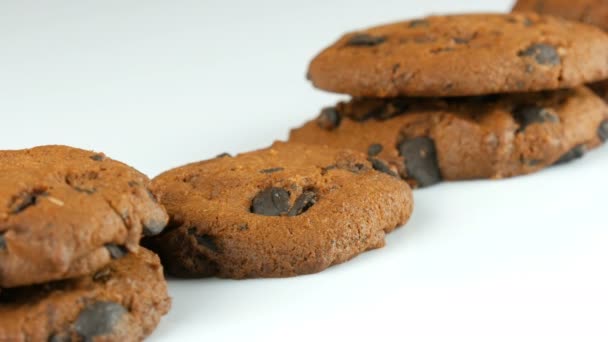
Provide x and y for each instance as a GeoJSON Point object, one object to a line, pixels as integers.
{"type": "Point", "coordinates": [464, 96]}
{"type": "Point", "coordinates": [70, 262]}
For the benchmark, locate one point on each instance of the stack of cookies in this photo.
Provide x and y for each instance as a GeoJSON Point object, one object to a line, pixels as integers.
{"type": "Point", "coordinates": [440, 98]}
{"type": "Point", "coordinates": [464, 96]}
{"type": "Point", "coordinates": [71, 268]}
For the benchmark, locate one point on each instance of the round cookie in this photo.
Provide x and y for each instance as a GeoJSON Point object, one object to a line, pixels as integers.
{"type": "Point", "coordinates": [594, 12]}
{"type": "Point", "coordinates": [465, 138]}
{"type": "Point", "coordinates": [124, 301]}
{"type": "Point", "coordinates": [462, 55]}
{"type": "Point", "coordinates": [66, 212]}
{"type": "Point", "coordinates": [287, 210]}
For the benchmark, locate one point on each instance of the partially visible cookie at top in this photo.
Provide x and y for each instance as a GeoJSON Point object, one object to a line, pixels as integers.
{"type": "Point", "coordinates": [462, 55]}
{"type": "Point", "coordinates": [66, 212]}
{"type": "Point", "coordinates": [123, 301]}
{"type": "Point", "coordinates": [594, 12]}
{"type": "Point", "coordinates": [497, 136]}
{"type": "Point", "coordinates": [287, 210]}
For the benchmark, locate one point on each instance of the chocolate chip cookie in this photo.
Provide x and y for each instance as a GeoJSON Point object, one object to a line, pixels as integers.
{"type": "Point", "coordinates": [495, 136]}
{"type": "Point", "coordinates": [594, 12]}
{"type": "Point", "coordinates": [123, 301]}
{"type": "Point", "coordinates": [66, 212]}
{"type": "Point", "coordinates": [287, 210]}
{"type": "Point", "coordinates": [463, 55]}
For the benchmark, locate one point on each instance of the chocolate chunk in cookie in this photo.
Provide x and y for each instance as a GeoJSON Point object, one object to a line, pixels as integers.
{"type": "Point", "coordinates": [420, 160]}
{"type": "Point", "coordinates": [575, 153]}
{"type": "Point", "coordinates": [365, 40]}
{"type": "Point", "coordinates": [530, 114]}
{"type": "Point", "coordinates": [271, 202]}
{"type": "Point", "coordinates": [544, 54]}
{"type": "Point", "coordinates": [329, 118]}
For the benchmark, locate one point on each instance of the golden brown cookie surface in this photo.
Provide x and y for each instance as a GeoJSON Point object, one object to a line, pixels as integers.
{"type": "Point", "coordinates": [462, 55]}
{"type": "Point", "coordinates": [66, 212]}
{"type": "Point", "coordinates": [123, 301]}
{"type": "Point", "coordinates": [465, 138]}
{"type": "Point", "coordinates": [283, 211]}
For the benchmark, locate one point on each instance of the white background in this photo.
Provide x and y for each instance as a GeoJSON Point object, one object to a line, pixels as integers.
{"type": "Point", "coordinates": [160, 83]}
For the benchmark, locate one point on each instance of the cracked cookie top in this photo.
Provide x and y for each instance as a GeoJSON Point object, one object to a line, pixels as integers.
{"type": "Point", "coordinates": [461, 55]}
{"type": "Point", "coordinates": [66, 212]}
{"type": "Point", "coordinates": [282, 211]}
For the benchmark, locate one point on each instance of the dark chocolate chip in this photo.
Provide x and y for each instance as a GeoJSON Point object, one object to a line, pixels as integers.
{"type": "Point", "coordinates": [527, 115]}
{"type": "Point", "coordinates": [362, 39]}
{"type": "Point", "coordinates": [379, 165]}
{"type": "Point", "coordinates": [329, 118]}
{"type": "Point", "coordinates": [133, 184]}
{"type": "Point", "coordinates": [25, 200]}
{"type": "Point", "coordinates": [575, 153]}
{"type": "Point", "coordinates": [224, 155]}
{"type": "Point", "coordinates": [374, 150]}
{"type": "Point", "coordinates": [98, 319]}
{"type": "Point", "coordinates": [271, 202]}
{"type": "Point", "coordinates": [116, 251]}
{"type": "Point", "coordinates": [243, 227]}
{"type": "Point", "coordinates": [2, 242]}
{"type": "Point", "coordinates": [272, 170]}
{"type": "Point", "coordinates": [306, 200]}
{"type": "Point", "coordinates": [153, 227]}
{"type": "Point", "coordinates": [420, 160]}
{"type": "Point", "coordinates": [418, 23]}
{"type": "Point", "coordinates": [544, 54]}
{"type": "Point", "coordinates": [602, 131]}
{"type": "Point", "coordinates": [97, 157]}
